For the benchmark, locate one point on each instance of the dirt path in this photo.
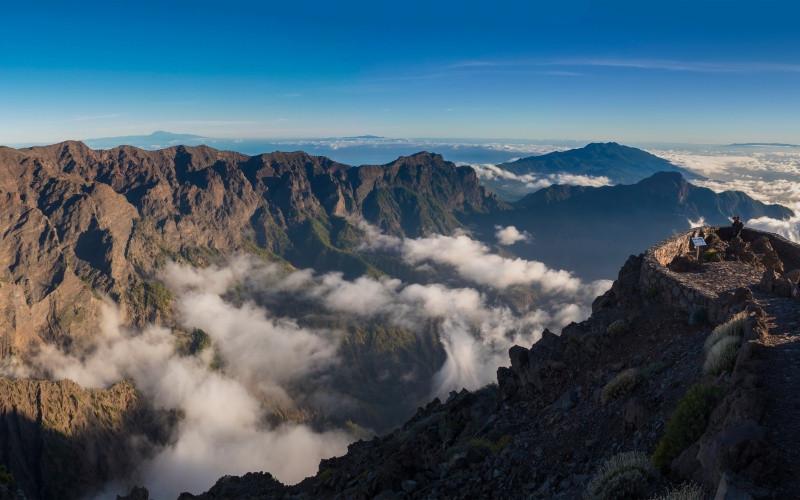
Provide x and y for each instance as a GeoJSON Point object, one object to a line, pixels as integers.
{"type": "Point", "coordinates": [782, 383]}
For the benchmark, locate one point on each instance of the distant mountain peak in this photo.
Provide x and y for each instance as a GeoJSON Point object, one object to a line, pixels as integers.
{"type": "Point", "coordinates": [163, 134]}
{"type": "Point", "coordinates": [621, 164]}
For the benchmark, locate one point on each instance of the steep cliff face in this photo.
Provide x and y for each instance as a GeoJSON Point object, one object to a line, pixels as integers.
{"type": "Point", "coordinates": [60, 440]}
{"type": "Point", "coordinates": [75, 222]}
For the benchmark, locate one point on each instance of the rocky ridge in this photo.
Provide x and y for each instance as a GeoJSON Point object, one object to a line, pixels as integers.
{"type": "Point", "coordinates": [558, 412]}
{"type": "Point", "coordinates": [76, 223]}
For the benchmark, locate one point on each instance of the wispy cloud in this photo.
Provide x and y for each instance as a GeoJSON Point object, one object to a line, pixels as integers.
{"type": "Point", "coordinates": [93, 117]}
{"type": "Point", "coordinates": [645, 64]}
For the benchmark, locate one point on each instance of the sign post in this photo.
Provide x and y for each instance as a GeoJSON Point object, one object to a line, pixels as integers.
{"type": "Point", "coordinates": [698, 242]}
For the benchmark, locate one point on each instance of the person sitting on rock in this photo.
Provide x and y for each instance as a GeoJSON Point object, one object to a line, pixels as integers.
{"type": "Point", "coordinates": [737, 226]}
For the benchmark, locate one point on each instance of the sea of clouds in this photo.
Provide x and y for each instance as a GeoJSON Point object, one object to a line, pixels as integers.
{"type": "Point", "coordinates": [768, 174]}
{"type": "Point", "coordinates": [533, 182]}
{"type": "Point", "coordinates": [224, 427]}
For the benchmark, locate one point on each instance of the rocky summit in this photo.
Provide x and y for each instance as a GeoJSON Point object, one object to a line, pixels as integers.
{"type": "Point", "coordinates": [680, 385]}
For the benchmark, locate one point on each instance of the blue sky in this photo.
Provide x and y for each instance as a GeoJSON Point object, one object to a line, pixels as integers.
{"type": "Point", "coordinates": [673, 71]}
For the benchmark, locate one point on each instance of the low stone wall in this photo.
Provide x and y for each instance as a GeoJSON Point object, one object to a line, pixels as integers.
{"type": "Point", "coordinates": [658, 280]}
{"type": "Point", "coordinates": [676, 290]}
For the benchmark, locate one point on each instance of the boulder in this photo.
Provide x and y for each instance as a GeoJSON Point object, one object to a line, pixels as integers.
{"type": "Point", "coordinates": [769, 257]}
{"type": "Point", "coordinates": [793, 275]}
{"type": "Point", "coordinates": [683, 264]}
{"type": "Point", "coordinates": [768, 280]}
{"type": "Point", "coordinates": [634, 415]}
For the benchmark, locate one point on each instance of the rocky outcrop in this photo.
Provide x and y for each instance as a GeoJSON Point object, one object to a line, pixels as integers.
{"type": "Point", "coordinates": [59, 440]}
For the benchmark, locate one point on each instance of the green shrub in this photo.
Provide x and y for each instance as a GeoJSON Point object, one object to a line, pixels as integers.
{"type": "Point", "coordinates": [732, 327]}
{"type": "Point", "coordinates": [621, 476]}
{"type": "Point", "coordinates": [148, 295]}
{"type": "Point", "coordinates": [651, 292]}
{"type": "Point", "coordinates": [687, 423]}
{"type": "Point", "coordinates": [686, 491]}
{"type": "Point", "coordinates": [191, 343]}
{"type": "Point", "coordinates": [5, 477]}
{"type": "Point", "coordinates": [709, 254]}
{"type": "Point", "coordinates": [722, 356]}
{"type": "Point", "coordinates": [698, 316]}
{"type": "Point", "coordinates": [623, 383]}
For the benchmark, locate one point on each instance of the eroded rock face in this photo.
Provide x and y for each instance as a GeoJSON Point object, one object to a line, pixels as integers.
{"type": "Point", "coordinates": [61, 440]}
{"type": "Point", "coordinates": [76, 223]}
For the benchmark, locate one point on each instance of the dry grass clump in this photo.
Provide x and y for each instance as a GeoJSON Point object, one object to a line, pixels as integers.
{"type": "Point", "coordinates": [722, 356]}
{"type": "Point", "coordinates": [623, 383]}
{"type": "Point", "coordinates": [734, 327]}
{"type": "Point", "coordinates": [686, 491]}
{"type": "Point", "coordinates": [621, 476]}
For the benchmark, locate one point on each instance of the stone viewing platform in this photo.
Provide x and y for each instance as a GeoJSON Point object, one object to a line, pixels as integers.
{"type": "Point", "coordinates": [767, 374]}
{"type": "Point", "coordinates": [718, 277]}
{"type": "Point", "coordinates": [671, 271]}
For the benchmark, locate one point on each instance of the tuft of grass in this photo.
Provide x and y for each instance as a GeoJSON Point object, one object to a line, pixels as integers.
{"type": "Point", "coordinates": [623, 383]}
{"type": "Point", "coordinates": [686, 491]}
{"type": "Point", "coordinates": [687, 423]}
{"type": "Point", "coordinates": [732, 327]}
{"type": "Point", "coordinates": [487, 445]}
{"type": "Point", "coordinates": [621, 476]}
{"type": "Point", "coordinates": [653, 369]}
{"type": "Point", "coordinates": [722, 356]}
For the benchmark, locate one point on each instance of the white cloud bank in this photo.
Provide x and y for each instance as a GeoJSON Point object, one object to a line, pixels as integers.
{"type": "Point", "coordinates": [223, 429]}
{"type": "Point", "coordinates": [533, 182]}
{"type": "Point", "coordinates": [473, 261]}
{"type": "Point", "coordinates": [770, 175]}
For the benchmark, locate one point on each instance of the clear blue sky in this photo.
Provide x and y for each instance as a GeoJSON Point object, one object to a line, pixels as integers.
{"type": "Point", "coordinates": [683, 71]}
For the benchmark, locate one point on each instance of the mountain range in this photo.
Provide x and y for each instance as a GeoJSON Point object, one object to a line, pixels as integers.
{"type": "Point", "coordinates": [78, 225]}
{"type": "Point", "coordinates": [590, 229]}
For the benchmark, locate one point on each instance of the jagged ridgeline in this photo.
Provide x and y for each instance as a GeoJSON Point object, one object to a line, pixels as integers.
{"type": "Point", "coordinates": [79, 226]}
{"type": "Point", "coordinates": [77, 222]}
